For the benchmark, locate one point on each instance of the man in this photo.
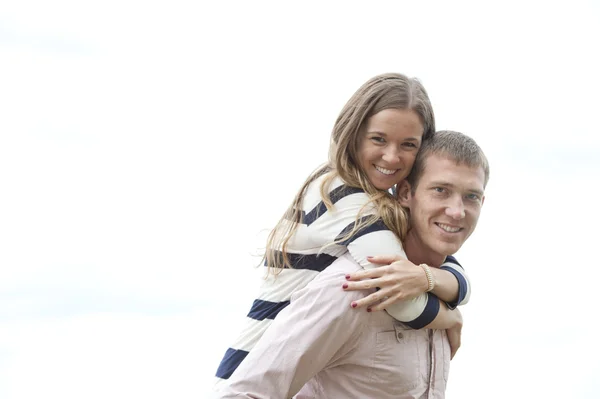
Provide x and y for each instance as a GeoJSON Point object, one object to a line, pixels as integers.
{"type": "Point", "coordinates": [318, 347]}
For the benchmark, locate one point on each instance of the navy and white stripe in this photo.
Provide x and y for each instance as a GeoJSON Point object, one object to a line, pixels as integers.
{"type": "Point", "coordinates": [310, 251]}
{"type": "Point", "coordinates": [464, 288]}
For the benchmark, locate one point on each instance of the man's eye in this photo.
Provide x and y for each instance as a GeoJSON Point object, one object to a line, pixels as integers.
{"type": "Point", "coordinates": [473, 197]}
{"type": "Point", "coordinates": [438, 189]}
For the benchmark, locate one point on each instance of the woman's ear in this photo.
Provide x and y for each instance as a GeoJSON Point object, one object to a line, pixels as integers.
{"type": "Point", "coordinates": [403, 193]}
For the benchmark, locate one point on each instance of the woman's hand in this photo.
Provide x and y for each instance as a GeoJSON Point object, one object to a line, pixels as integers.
{"type": "Point", "coordinates": [399, 280]}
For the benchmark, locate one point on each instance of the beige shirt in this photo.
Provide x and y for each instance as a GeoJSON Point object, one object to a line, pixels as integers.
{"type": "Point", "coordinates": [319, 347]}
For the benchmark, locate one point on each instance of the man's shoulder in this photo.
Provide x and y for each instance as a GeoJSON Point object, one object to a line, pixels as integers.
{"type": "Point", "coordinates": [343, 265]}
{"type": "Point", "coordinates": [333, 277]}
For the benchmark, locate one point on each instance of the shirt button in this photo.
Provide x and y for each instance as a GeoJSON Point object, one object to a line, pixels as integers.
{"type": "Point", "coordinates": [400, 336]}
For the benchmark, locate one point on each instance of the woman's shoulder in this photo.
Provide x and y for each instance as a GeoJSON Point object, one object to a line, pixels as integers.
{"type": "Point", "coordinates": [334, 184]}
{"type": "Point", "coordinates": [341, 195]}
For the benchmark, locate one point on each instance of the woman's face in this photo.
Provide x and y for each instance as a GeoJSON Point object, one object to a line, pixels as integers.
{"type": "Point", "coordinates": [388, 145]}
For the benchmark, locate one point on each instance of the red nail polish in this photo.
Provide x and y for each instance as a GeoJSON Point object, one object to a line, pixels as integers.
{"type": "Point", "coordinates": [345, 286]}
{"type": "Point", "coordinates": [354, 304]}
{"type": "Point", "coordinates": [368, 309]}
{"type": "Point", "coordinates": [347, 277]}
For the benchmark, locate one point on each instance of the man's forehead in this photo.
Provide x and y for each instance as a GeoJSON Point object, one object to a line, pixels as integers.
{"type": "Point", "coordinates": [442, 168]}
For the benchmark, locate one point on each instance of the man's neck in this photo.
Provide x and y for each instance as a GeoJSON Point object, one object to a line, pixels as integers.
{"type": "Point", "coordinates": [417, 253]}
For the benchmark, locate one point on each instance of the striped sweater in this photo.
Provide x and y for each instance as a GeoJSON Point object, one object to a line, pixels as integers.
{"type": "Point", "coordinates": [309, 254]}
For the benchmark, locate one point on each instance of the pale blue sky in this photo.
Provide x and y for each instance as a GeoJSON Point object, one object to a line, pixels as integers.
{"type": "Point", "coordinates": [145, 148]}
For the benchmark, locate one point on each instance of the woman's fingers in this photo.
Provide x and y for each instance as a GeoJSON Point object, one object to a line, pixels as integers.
{"type": "Point", "coordinates": [361, 285]}
{"type": "Point", "coordinates": [365, 274]}
{"type": "Point", "coordinates": [390, 267]}
{"type": "Point", "coordinates": [368, 301]}
{"type": "Point", "coordinates": [375, 301]}
{"type": "Point", "coordinates": [382, 305]}
{"type": "Point", "coordinates": [378, 280]}
{"type": "Point", "coordinates": [384, 259]}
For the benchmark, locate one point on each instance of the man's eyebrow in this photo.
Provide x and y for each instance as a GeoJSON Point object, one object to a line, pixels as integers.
{"type": "Point", "coordinates": [450, 185]}
{"type": "Point", "coordinates": [441, 183]}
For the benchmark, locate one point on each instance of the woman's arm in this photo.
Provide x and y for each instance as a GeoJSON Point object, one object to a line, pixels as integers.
{"type": "Point", "coordinates": [461, 293]}
{"type": "Point", "coordinates": [399, 279]}
{"type": "Point", "coordinates": [333, 225]}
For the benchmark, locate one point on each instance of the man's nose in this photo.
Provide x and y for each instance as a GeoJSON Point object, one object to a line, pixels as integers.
{"type": "Point", "coordinates": [456, 208]}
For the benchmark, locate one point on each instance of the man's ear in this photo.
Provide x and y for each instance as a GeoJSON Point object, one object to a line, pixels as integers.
{"type": "Point", "coordinates": [404, 194]}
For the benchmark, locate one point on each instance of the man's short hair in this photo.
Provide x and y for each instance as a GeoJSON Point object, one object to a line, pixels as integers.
{"type": "Point", "coordinates": [456, 146]}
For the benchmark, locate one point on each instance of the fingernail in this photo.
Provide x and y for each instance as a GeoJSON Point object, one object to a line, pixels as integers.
{"type": "Point", "coordinates": [354, 304]}
{"type": "Point", "coordinates": [347, 277]}
{"type": "Point", "coordinates": [368, 309]}
{"type": "Point", "coordinates": [345, 286]}
{"type": "Point", "coordinates": [369, 257]}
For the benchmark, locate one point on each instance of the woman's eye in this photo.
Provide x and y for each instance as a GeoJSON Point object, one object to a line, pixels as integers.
{"type": "Point", "coordinates": [410, 145]}
{"type": "Point", "coordinates": [379, 140]}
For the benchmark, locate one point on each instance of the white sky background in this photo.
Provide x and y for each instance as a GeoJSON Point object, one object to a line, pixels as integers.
{"type": "Point", "coordinates": [146, 147]}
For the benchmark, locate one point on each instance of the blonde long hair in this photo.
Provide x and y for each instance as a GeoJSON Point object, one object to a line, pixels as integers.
{"type": "Point", "coordinates": [390, 90]}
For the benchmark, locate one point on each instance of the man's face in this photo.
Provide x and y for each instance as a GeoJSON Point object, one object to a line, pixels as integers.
{"type": "Point", "coordinates": [445, 205]}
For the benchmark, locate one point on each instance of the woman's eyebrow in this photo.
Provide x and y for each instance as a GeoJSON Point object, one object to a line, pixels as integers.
{"type": "Point", "coordinates": [376, 132]}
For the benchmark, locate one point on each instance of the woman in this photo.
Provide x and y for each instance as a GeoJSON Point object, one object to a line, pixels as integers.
{"type": "Point", "coordinates": [346, 206]}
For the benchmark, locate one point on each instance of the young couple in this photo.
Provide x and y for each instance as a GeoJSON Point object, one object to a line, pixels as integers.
{"type": "Point", "coordinates": [347, 248]}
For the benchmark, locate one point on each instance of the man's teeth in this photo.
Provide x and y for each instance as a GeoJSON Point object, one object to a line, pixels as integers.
{"type": "Point", "coordinates": [385, 171]}
{"type": "Point", "coordinates": [447, 228]}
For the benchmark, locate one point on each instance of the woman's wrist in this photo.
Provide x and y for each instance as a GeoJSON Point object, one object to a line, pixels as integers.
{"type": "Point", "coordinates": [430, 277]}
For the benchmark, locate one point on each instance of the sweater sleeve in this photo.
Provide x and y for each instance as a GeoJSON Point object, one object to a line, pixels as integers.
{"type": "Point", "coordinates": [464, 285]}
